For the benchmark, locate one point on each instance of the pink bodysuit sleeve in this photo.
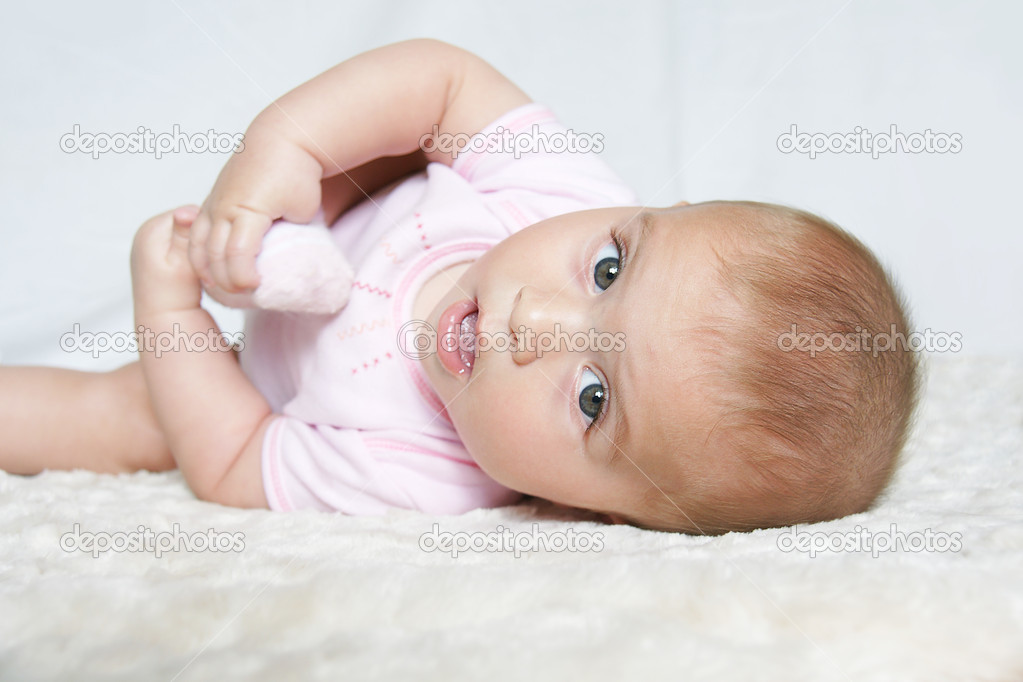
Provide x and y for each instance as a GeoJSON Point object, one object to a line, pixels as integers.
{"type": "Point", "coordinates": [531, 167]}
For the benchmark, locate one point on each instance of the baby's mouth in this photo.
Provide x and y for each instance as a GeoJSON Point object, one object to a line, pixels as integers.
{"type": "Point", "coordinates": [456, 347]}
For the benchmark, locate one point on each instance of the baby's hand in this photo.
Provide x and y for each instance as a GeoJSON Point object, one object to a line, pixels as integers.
{"type": "Point", "coordinates": [162, 276]}
{"type": "Point", "coordinates": [224, 243]}
{"type": "Point", "coordinates": [270, 179]}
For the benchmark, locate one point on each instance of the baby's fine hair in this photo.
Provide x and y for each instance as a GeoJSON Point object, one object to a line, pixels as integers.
{"type": "Point", "coordinates": [815, 395]}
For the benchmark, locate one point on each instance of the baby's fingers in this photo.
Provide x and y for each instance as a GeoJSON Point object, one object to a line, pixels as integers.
{"type": "Point", "coordinates": [232, 249]}
{"type": "Point", "coordinates": [244, 245]}
{"type": "Point", "coordinates": [197, 236]}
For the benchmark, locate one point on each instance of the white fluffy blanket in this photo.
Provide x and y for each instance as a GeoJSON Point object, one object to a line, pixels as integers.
{"type": "Point", "coordinates": [323, 597]}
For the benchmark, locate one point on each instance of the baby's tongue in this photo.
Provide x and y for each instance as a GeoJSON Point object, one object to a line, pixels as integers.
{"type": "Point", "coordinates": [468, 333]}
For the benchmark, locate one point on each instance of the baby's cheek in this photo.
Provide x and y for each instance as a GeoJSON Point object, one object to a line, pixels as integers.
{"type": "Point", "coordinates": [475, 427]}
{"type": "Point", "coordinates": [492, 440]}
{"type": "Point", "coordinates": [500, 426]}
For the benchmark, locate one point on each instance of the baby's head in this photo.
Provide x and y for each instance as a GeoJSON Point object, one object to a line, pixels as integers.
{"type": "Point", "coordinates": [650, 364]}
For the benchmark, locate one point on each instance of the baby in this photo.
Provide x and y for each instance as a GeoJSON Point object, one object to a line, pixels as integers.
{"type": "Point", "coordinates": [644, 363]}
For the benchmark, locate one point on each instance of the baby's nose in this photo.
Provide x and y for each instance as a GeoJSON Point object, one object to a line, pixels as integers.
{"type": "Point", "coordinates": [543, 323]}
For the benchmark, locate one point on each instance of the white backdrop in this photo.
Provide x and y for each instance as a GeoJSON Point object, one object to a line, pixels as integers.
{"type": "Point", "coordinates": [690, 97]}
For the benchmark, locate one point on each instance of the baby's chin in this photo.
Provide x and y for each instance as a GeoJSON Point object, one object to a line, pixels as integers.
{"type": "Point", "coordinates": [491, 466]}
{"type": "Point", "coordinates": [487, 466]}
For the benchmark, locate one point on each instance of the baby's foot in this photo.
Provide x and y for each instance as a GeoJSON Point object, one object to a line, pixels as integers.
{"type": "Point", "coordinates": [185, 215]}
{"type": "Point", "coordinates": [183, 218]}
{"type": "Point", "coordinates": [162, 276]}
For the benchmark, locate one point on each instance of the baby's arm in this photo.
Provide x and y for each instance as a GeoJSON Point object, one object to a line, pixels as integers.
{"type": "Point", "coordinates": [377, 104]}
{"type": "Point", "coordinates": [213, 419]}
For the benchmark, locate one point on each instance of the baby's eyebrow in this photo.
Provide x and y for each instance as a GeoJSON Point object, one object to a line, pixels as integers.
{"type": "Point", "coordinates": [619, 414]}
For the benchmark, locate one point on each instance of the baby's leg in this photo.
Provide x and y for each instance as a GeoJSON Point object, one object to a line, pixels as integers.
{"type": "Point", "coordinates": [64, 419]}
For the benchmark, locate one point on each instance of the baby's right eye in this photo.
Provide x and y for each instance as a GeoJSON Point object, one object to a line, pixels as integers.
{"type": "Point", "coordinates": [607, 266]}
{"type": "Point", "coordinates": [592, 395]}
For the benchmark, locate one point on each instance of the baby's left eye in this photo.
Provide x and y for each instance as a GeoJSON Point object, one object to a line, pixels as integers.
{"type": "Point", "coordinates": [607, 267]}
{"type": "Point", "coordinates": [592, 395]}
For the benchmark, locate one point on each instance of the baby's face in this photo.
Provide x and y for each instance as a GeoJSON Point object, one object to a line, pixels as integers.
{"type": "Point", "coordinates": [582, 362]}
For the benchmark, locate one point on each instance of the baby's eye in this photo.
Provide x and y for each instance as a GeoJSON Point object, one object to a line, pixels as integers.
{"type": "Point", "coordinates": [606, 269]}
{"type": "Point", "coordinates": [591, 395]}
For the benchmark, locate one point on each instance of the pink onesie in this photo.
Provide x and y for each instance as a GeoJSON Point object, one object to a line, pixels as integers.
{"type": "Point", "coordinates": [361, 430]}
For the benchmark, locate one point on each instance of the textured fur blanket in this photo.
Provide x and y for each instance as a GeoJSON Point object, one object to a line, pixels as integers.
{"type": "Point", "coordinates": [928, 586]}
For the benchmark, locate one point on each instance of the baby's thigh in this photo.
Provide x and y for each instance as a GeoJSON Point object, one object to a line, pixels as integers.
{"type": "Point", "coordinates": [135, 432]}
{"type": "Point", "coordinates": [55, 418]}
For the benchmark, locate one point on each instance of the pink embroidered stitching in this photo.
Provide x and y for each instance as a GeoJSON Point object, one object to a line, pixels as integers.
{"type": "Point", "coordinates": [422, 235]}
{"type": "Point", "coordinates": [372, 289]}
{"type": "Point", "coordinates": [389, 252]}
{"type": "Point", "coordinates": [376, 361]}
{"type": "Point", "coordinates": [362, 328]}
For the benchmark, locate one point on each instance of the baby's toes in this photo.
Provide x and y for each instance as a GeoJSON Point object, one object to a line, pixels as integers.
{"type": "Point", "coordinates": [182, 219]}
{"type": "Point", "coordinates": [185, 215]}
